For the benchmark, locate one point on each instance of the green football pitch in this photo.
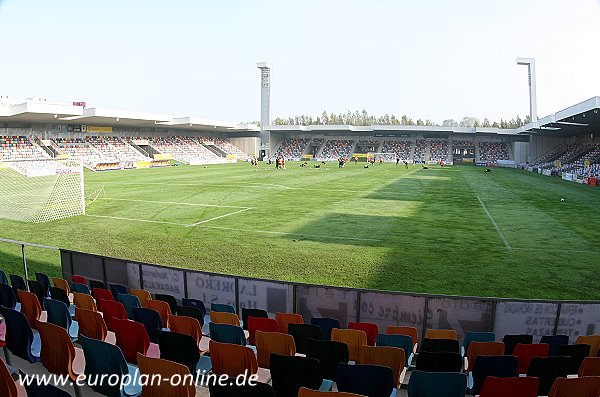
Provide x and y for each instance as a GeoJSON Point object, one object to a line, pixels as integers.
{"type": "Point", "coordinates": [451, 230]}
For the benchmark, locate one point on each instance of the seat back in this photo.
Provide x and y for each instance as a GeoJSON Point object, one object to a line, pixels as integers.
{"type": "Point", "coordinates": [403, 342]}
{"type": "Point", "coordinates": [118, 289]}
{"type": "Point", "coordinates": [78, 279]}
{"type": "Point", "coordinates": [260, 324]}
{"type": "Point", "coordinates": [97, 284]}
{"type": "Point", "coordinates": [352, 379]}
{"type": "Point", "coordinates": [91, 324]}
{"type": "Point", "coordinates": [112, 310]}
{"type": "Point", "coordinates": [231, 389]}
{"type": "Point", "coordinates": [403, 330]}
{"type": "Point", "coordinates": [104, 294]}
{"type": "Point", "coordinates": [44, 280]}
{"type": "Point", "coordinates": [224, 318]}
{"type": "Point", "coordinates": [19, 336]}
{"type": "Point", "coordinates": [7, 296]}
{"type": "Point", "coordinates": [166, 369]}
{"type": "Point", "coordinates": [525, 352]}
{"type": "Point", "coordinates": [57, 352]}
{"type": "Point", "coordinates": [478, 337]}
{"type": "Point", "coordinates": [58, 313]}
{"type": "Point", "coordinates": [441, 334]}
{"type": "Point", "coordinates": [179, 348]}
{"type": "Point", "coordinates": [477, 349]}
{"type": "Point", "coordinates": [193, 312]}
{"type": "Point", "coordinates": [102, 358]}
{"type": "Point", "coordinates": [371, 330]}
{"type": "Point", "coordinates": [592, 340]}
{"type": "Point", "coordinates": [129, 302]}
{"type": "Point", "coordinates": [326, 325]}
{"type": "Point", "coordinates": [329, 353]}
{"type": "Point", "coordinates": [84, 301]}
{"type": "Point", "coordinates": [289, 373]}
{"type": "Point", "coordinates": [577, 353]}
{"type": "Point", "coordinates": [81, 288]}
{"type": "Point", "coordinates": [232, 360]}
{"type": "Point", "coordinates": [439, 362]}
{"type": "Point", "coordinates": [3, 278]}
{"type": "Point", "coordinates": [62, 284]}
{"type": "Point", "coordinates": [386, 356]}
{"type": "Point", "coordinates": [435, 384]}
{"type": "Point", "coordinates": [142, 295]}
{"type": "Point", "coordinates": [186, 325]}
{"type": "Point", "coordinates": [168, 299]}
{"type": "Point", "coordinates": [8, 387]}
{"type": "Point", "coordinates": [226, 333]}
{"type": "Point", "coordinates": [304, 392]}
{"type": "Point", "coordinates": [34, 389]}
{"type": "Point", "coordinates": [510, 341]}
{"type": "Point", "coordinates": [354, 338]}
{"type": "Point", "coordinates": [555, 342]}
{"type": "Point", "coordinates": [39, 290]}
{"type": "Point", "coordinates": [580, 387]}
{"type": "Point", "coordinates": [440, 345]}
{"type": "Point", "coordinates": [222, 308]}
{"type": "Point", "coordinates": [590, 367]}
{"type": "Point", "coordinates": [498, 366]}
{"type": "Point", "coordinates": [256, 313]}
{"type": "Point", "coordinates": [150, 319]}
{"type": "Point", "coordinates": [283, 319]}
{"type": "Point", "coordinates": [18, 283]}
{"type": "Point", "coordinates": [301, 333]}
{"type": "Point", "coordinates": [163, 309]}
{"type": "Point", "coordinates": [547, 370]}
{"type": "Point", "coordinates": [60, 295]}
{"type": "Point", "coordinates": [514, 387]}
{"type": "Point", "coordinates": [273, 342]}
{"type": "Point", "coordinates": [30, 307]}
{"type": "Point", "coordinates": [198, 304]}
{"type": "Point", "coordinates": [132, 338]}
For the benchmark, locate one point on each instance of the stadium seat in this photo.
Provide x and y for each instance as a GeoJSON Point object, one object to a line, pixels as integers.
{"type": "Point", "coordinates": [58, 354]}
{"type": "Point", "coordinates": [525, 352]}
{"type": "Point", "coordinates": [150, 366]}
{"type": "Point", "coordinates": [198, 304]}
{"type": "Point", "coordinates": [513, 387]}
{"type": "Point", "coordinates": [402, 330]}
{"type": "Point", "coordinates": [510, 341]}
{"type": "Point", "coordinates": [593, 341]}
{"type": "Point", "coordinates": [590, 367]}
{"type": "Point", "coordinates": [20, 339]}
{"type": "Point", "coordinates": [547, 370]}
{"type": "Point", "coordinates": [182, 349]}
{"type": "Point", "coordinates": [118, 289]}
{"type": "Point", "coordinates": [330, 354]}
{"type": "Point", "coordinates": [30, 307]}
{"type": "Point", "coordinates": [392, 357]}
{"type": "Point", "coordinates": [368, 380]}
{"type": "Point", "coordinates": [132, 338]}
{"type": "Point", "coordinates": [35, 389]}
{"type": "Point", "coordinates": [403, 342]}
{"type": "Point", "coordinates": [437, 384]}
{"type": "Point", "coordinates": [91, 324]}
{"type": "Point", "coordinates": [43, 279]}
{"type": "Point", "coordinates": [104, 358]}
{"type": "Point", "coordinates": [304, 392]}
{"type": "Point", "coordinates": [163, 309]}
{"type": "Point", "coordinates": [234, 360]}
{"type": "Point", "coordinates": [256, 313]}
{"type": "Point", "coordinates": [81, 288]}
{"type": "Point", "coordinates": [17, 283]}
{"type": "Point", "coordinates": [498, 366]}
{"type": "Point", "coordinates": [142, 295]}
{"type": "Point", "coordinates": [260, 324]}
{"type": "Point", "coordinates": [289, 373]}
{"type": "Point", "coordinates": [58, 314]}
{"type": "Point", "coordinates": [3, 278]}
{"type": "Point", "coordinates": [224, 318]}
{"type": "Point", "coordinates": [576, 354]}
{"type": "Point", "coordinates": [222, 308]}
{"type": "Point", "coordinates": [283, 319]}
{"type": "Point", "coordinates": [169, 299]}
{"type": "Point", "coordinates": [354, 338]}
{"type": "Point", "coordinates": [129, 302]}
{"type": "Point", "coordinates": [441, 334]}
{"type": "Point", "coordinates": [225, 333]}
{"type": "Point", "coordinates": [39, 290]}
{"type": "Point", "coordinates": [104, 294]}
{"type": "Point", "coordinates": [8, 297]}
{"type": "Point", "coordinates": [440, 345]}
{"type": "Point", "coordinates": [8, 387]}
{"type": "Point", "coordinates": [84, 301]}
{"type": "Point", "coordinates": [193, 312]}
{"type": "Point", "coordinates": [301, 333]}
{"type": "Point", "coordinates": [62, 284]}
{"type": "Point", "coordinates": [370, 329]}
{"type": "Point", "coordinates": [326, 325]}
{"type": "Point", "coordinates": [112, 310]}
{"type": "Point", "coordinates": [97, 284]}
{"type": "Point", "coordinates": [477, 349]}
{"type": "Point", "coordinates": [580, 387]}
{"type": "Point", "coordinates": [60, 294]}
{"type": "Point", "coordinates": [186, 325]}
{"type": "Point", "coordinates": [230, 389]}
{"type": "Point", "coordinates": [150, 319]}
{"type": "Point", "coordinates": [79, 279]}
{"type": "Point", "coordinates": [439, 362]}
{"type": "Point", "coordinates": [477, 337]}
{"type": "Point", "coordinates": [273, 342]}
{"type": "Point", "coordinates": [555, 342]}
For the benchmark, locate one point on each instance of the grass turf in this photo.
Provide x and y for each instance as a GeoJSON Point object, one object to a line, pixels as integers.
{"type": "Point", "coordinates": [454, 230]}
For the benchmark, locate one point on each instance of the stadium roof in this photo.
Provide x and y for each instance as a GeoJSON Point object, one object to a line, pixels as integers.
{"type": "Point", "coordinates": [583, 118]}
{"type": "Point", "coordinates": [42, 111]}
{"type": "Point", "coordinates": [389, 128]}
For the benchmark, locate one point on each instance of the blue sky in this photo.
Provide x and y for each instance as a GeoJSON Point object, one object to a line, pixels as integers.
{"type": "Point", "coordinates": [427, 59]}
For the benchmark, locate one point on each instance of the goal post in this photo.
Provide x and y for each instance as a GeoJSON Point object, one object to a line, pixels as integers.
{"type": "Point", "coordinates": [41, 190]}
{"type": "Point", "coordinates": [386, 157]}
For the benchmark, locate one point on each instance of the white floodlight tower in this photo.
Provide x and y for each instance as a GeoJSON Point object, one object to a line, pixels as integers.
{"type": "Point", "coordinates": [265, 108]}
{"type": "Point", "coordinates": [530, 62]}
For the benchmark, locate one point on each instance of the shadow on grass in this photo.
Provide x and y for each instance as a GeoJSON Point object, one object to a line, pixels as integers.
{"type": "Point", "coordinates": [11, 261]}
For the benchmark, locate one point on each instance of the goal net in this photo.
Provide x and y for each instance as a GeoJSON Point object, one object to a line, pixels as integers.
{"type": "Point", "coordinates": [387, 157]}
{"type": "Point", "coordinates": [41, 190]}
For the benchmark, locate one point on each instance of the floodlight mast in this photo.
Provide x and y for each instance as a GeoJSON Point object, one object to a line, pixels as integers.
{"type": "Point", "coordinates": [530, 62]}
{"type": "Point", "coordinates": [265, 108]}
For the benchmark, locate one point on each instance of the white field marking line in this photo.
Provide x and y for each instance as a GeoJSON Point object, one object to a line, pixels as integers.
{"type": "Point", "coordinates": [218, 217]}
{"type": "Point", "coordinates": [508, 247]}
{"type": "Point", "coordinates": [136, 220]}
{"type": "Point", "coordinates": [557, 250]}
{"type": "Point", "coordinates": [178, 203]}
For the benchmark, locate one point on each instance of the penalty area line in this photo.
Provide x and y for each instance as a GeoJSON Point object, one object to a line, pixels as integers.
{"type": "Point", "coordinates": [498, 230]}
{"type": "Point", "coordinates": [120, 218]}
{"type": "Point", "coordinates": [218, 217]}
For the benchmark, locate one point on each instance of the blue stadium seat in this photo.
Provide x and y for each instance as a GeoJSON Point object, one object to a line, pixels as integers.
{"type": "Point", "coordinates": [437, 384]}
{"type": "Point", "coordinates": [58, 314]}
{"type": "Point", "coordinates": [20, 339]}
{"type": "Point", "coordinates": [367, 380]}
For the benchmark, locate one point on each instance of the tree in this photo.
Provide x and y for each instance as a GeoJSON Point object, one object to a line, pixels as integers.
{"type": "Point", "coordinates": [420, 122]}
{"type": "Point", "coordinates": [486, 122]}
{"type": "Point", "coordinates": [496, 125]}
{"type": "Point", "coordinates": [450, 123]}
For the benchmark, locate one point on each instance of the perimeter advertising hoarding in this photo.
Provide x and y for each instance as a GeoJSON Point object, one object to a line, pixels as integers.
{"type": "Point", "coordinates": [161, 280]}
{"type": "Point", "coordinates": [537, 319]}
{"type": "Point", "coordinates": [211, 289]}
{"type": "Point", "coordinates": [326, 302]}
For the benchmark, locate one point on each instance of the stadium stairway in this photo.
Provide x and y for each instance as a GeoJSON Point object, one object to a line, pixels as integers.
{"type": "Point", "coordinates": [215, 150]}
